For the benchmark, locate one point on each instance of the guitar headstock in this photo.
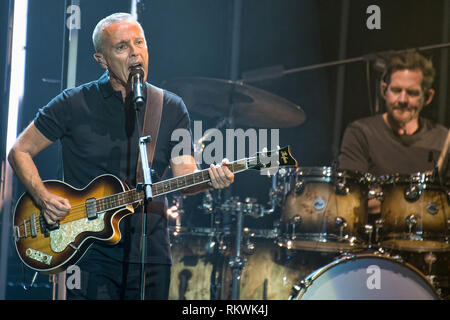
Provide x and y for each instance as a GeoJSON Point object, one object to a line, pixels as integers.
{"type": "Point", "coordinates": [273, 159]}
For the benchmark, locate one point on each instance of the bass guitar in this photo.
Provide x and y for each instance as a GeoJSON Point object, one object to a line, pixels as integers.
{"type": "Point", "coordinates": [97, 210]}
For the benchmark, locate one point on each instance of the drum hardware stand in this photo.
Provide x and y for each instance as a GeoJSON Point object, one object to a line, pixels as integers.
{"type": "Point", "coordinates": [379, 224]}
{"type": "Point", "coordinates": [207, 205]}
{"type": "Point", "coordinates": [289, 233]}
{"type": "Point", "coordinates": [215, 280]}
{"type": "Point", "coordinates": [216, 244]}
{"type": "Point", "coordinates": [237, 263]}
{"type": "Point", "coordinates": [430, 259]}
{"type": "Point", "coordinates": [368, 229]}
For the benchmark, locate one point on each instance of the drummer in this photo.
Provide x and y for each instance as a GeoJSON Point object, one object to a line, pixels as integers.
{"type": "Point", "coordinates": [399, 140]}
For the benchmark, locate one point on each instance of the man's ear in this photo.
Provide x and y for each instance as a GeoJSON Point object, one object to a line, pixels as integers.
{"type": "Point", "coordinates": [383, 89]}
{"type": "Point", "coordinates": [428, 96]}
{"type": "Point", "coordinates": [101, 60]}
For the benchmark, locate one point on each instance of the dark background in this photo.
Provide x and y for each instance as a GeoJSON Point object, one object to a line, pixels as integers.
{"type": "Point", "coordinates": [194, 38]}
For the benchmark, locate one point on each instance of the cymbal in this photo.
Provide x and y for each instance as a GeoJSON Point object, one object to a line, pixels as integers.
{"type": "Point", "coordinates": [245, 105]}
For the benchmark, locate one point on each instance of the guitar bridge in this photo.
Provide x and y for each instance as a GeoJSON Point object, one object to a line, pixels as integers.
{"type": "Point", "coordinates": [26, 229]}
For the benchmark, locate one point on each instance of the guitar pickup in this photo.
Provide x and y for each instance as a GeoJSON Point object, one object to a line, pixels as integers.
{"type": "Point", "coordinates": [45, 227]}
{"type": "Point", "coordinates": [33, 225]}
{"type": "Point", "coordinates": [91, 209]}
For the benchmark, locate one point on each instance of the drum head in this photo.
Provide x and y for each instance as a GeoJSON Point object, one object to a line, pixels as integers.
{"type": "Point", "coordinates": [368, 277]}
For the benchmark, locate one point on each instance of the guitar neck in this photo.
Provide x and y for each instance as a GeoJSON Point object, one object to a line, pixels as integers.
{"type": "Point", "coordinates": [167, 186]}
{"type": "Point", "coordinates": [193, 179]}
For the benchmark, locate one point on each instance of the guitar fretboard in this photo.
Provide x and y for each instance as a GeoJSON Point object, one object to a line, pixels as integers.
{"type": "Point", "coordinates": [166, 186]}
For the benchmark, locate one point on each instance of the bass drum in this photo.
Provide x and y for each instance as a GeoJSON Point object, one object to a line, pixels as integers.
{"type": "Point", "coordinates": [434, 265]}
{"type": "Point", "coordinates": [196, 264]}
{"type": "Point", "coordinates": [366, 277]}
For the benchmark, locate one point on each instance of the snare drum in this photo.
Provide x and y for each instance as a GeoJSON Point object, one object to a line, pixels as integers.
{"type": "Point", "coordinates": [415, 213]}
{"type": "Point", "coordinates": [366, 277]}
{"type": "Point", "coordinates": [325, 210]}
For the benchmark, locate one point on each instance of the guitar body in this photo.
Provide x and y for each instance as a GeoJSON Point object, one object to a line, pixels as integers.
{"type": "Point", "coordinates": [52, 251]}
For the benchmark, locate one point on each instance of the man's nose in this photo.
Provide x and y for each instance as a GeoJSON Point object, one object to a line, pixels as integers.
{"type": "Point", "coordinates": [403, 97]}
{"type": "Point", "coordinates": [133, 50]}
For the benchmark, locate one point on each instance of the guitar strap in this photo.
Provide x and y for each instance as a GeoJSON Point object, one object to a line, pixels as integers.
{"type": "Point", "coordinates": [152, 120]}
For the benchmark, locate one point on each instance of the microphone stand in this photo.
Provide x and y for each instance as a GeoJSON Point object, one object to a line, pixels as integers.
{"type": "Point", "coordinates": [145, 186]}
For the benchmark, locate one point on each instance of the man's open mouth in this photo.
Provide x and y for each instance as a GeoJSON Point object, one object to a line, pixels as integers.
{"type": "Point", "coordinates": [135, 65]}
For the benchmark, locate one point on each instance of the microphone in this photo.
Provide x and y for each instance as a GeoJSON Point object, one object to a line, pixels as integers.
{"type": "Point", "coordinates": [137, 84]}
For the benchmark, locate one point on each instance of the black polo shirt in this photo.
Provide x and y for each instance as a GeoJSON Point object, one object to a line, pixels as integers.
{"type": "Point", "coordinates": [98, 135]}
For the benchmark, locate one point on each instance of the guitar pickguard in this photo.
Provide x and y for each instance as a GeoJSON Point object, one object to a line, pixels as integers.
{"type": "Point", "coordinates": [67, 232]}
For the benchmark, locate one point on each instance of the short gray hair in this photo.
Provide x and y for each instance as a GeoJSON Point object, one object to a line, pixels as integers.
{"type": "Point", "coordinates": [97, 38]}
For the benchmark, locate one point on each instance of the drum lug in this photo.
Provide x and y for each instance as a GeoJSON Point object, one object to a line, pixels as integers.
{"type": "Point", "coordinates": [294, 222]}
{"type": "Point", "coordinates": [341, 224]}
{"type": "Point", "coordinates": [411, 222]}
{"type": "Point", "coordinates": [375, 194]}
{"type": "Point", "coordinates": [413, 192]}
{"type": "Point", "coordinates": [299, 187]}
{"type": "Point", "coordinates": [341, 188]}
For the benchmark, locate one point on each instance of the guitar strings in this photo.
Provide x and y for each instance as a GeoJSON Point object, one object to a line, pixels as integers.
{"type": "Point", "coordinates": [79, 211]}
{"type": "Point", "coordinates": [132, 192]}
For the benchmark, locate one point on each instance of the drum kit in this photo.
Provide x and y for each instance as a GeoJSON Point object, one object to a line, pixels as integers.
{"type": "Point", "coordinates": [322, 243]}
